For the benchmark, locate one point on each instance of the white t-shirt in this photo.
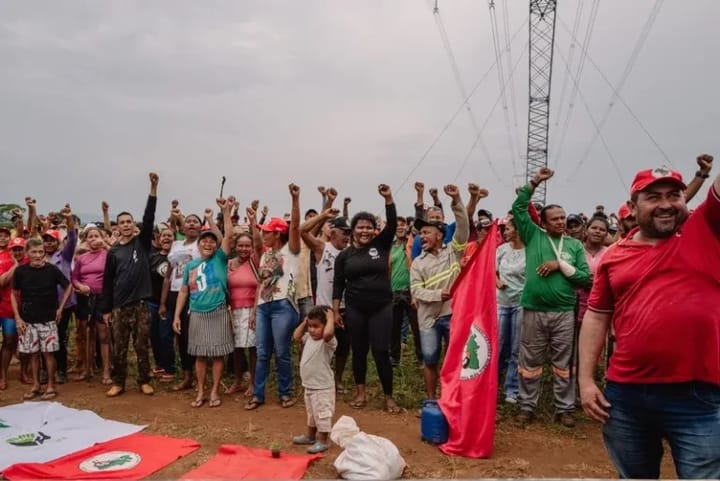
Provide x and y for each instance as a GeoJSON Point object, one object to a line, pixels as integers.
{"type": "Point", "coordinates": [278, 274]}
{"type": "Point", "coordinates": [180, 254]}
{"type": "Point", "coordinates": [326, 275]}
{"type": "Point", "coordinates": [315, 369]}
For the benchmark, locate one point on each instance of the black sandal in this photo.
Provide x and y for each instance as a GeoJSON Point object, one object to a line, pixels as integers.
{"type": "Point", "coordinates": [253, 404]}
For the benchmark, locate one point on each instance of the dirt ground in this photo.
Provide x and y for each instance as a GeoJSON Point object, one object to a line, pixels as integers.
{"type": "Point", "coordinates": [540, 450]}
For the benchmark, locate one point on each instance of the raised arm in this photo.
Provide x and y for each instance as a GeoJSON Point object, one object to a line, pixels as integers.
{"type": "Point", "coordinates": [316, 245]}
{"type": "Point", "coordinates": [105, 207]}
{"type": "Point", "coordinates": [294, 234]}
{"type": "Point", "coordinates": [32, 216]}
{"type": "Point", "coordinates": [462, 224]}
{"type": "Point", "coordinates": [68, 251]}
{"type": "Point", "coordinates": [704, 162]}
{"type": "Point", "coordinates": [346, 207]}
{"type": "Point", "coordinates": [526, 227]}
{"type": "Point", "coordinates": [146, 233]}
{"type": "Point", "coordinates": [420, 200]}
{"type": "Point", "coordinates": [227, 239]}
{"type": "Point", "coordinates": [387, 235]}
{"type": "Point", "coordinates": [254, 230]}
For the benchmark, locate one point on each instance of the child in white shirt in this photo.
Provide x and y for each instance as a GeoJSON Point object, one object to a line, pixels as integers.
{"type": "Point", "coordinates": [317, 376]}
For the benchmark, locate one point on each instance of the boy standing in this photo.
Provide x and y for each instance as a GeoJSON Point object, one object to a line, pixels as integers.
{"type": "Point", "coordinates": [35, 305]}
{"type": "Point", "coordinates": [319, 345]}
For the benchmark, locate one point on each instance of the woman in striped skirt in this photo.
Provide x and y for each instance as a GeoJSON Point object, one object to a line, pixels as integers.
{"type": "Point", "coordinates": [210, 336]}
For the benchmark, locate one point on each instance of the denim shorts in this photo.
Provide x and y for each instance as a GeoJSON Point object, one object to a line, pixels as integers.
{"type": "Point", "coordinates": [431, 340]}
{"type": "Point", "coordinates": [8, 326]}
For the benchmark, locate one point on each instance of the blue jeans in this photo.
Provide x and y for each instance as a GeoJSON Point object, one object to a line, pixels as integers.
{"type": "Point", "coordinates": [431, 340]}
{"type": "Point", "coordinates": [162, 340]}
{"type": "Point", "coordinates": [509, 322]}
{"type": "Point", "coordinates": [274, 324]}
{"type": "Point", "coordinates": [641, 415]}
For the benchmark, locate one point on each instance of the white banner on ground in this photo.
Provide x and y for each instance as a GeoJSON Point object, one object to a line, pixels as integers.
{"type": "Point", "coordinates": [37, 432]}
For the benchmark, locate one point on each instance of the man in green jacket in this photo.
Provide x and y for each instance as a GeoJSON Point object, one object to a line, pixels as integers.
{"type": "Point", "coordinates": [555, 267]}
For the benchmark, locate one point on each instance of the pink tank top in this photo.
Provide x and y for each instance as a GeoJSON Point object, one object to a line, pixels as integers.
{"type": "Point", "coordinates": [242, 284]}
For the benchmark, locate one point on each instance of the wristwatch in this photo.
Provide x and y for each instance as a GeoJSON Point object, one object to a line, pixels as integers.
{"type": "Point", "coordinates": [701, 175]}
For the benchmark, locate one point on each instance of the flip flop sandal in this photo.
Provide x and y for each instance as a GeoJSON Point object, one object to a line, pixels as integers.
{"type": "Point", "coordinates": [253, 404]}
{"type": "Point", "coordinates": [47, 395]}
{"type": "Point", "coordinates": [215, 403]}
{"type": "Point", "coordinates": [287, 402]}
{"type": "Point", "coordinates": [32, 394]}
{"type": "Point", "coordinates": [198, 403]}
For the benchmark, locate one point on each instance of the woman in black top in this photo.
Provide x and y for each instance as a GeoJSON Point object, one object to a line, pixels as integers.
{"type": "Point", "coordinates": [362, 276]}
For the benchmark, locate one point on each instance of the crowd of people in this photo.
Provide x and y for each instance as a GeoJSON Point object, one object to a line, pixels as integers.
{"type": "Point", "coordinates": [211, 288]}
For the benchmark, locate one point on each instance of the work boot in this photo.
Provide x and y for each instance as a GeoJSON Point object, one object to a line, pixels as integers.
{"type": "Point", "coordinates": [566, 419]}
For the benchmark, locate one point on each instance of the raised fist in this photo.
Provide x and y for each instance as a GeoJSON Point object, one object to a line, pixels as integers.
{"type": "Point", "coordinates": [451, 190]}
{"type": "Point", "coordinates": [105, 206]}
{"type": "Point", "coordinates": [174, 204]}
{"type": "Point", "coordinates": [476, 191]}
{"type": "Point", "coordinates": [419, 187]}
{"type": "Point", "coordinates": [385, 191]}
{"type": "Point", "coordinates": [544, 174]}
{"type": "Point", "coordinates": [704, 161]}
{"type": "Point", "coordinates": [154, 179]}
{"type": "Point", "coordinates": [331, 194]}
{"type": "Point", "coordinates": [433, 192]}
{"type": "Point", "coordinates": [294, 190]}
{"type": "Point", "coordinates": [347, 200]}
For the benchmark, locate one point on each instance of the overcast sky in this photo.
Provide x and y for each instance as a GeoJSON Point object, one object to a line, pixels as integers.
{"type": "Point", "coordinates": [95, 94]}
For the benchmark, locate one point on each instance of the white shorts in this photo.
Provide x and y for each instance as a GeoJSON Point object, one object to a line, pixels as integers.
{"type": "Point", "coordinates": [39, 337]}
{"type": "Point", "coordinates": [320, 407]}
{"type": "Point", "coordinates": [244, 336]}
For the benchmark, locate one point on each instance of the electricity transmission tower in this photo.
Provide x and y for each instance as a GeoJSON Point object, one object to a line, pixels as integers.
{"type": "Point", "coordinates": [542, 41]}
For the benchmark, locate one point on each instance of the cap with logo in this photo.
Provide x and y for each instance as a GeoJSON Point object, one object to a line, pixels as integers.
{"type": "Point", "coordinates": [646, 178]}
{"type": "Point", "coordinates": [275, 224]}
{"type": "Point", "coordinates": [341, 223]}
{"type": "Point", "coordinates": [439, 225]}
{"type": "Point", "coordinates": [55, 234]}
{"type": "Point", "coordinates": [17, 242]}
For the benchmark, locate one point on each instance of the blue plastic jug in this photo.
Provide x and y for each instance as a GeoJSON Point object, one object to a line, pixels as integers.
{"type": "Point", "coordinates": [433, 425]}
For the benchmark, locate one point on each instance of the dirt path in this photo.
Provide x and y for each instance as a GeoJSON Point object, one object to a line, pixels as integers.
{"type": "Point", "coordinates": [538, 451]}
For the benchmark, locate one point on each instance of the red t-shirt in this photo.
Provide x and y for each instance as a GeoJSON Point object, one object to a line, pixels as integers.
{"type": "Point", "coordinates": [665, 302]}
{"type": "Point", "coordinates": [6, 263]}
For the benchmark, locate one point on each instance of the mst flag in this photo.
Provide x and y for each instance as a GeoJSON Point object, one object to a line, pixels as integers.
{"type": "Point", "coordinates": [130, 458]}
{"type": "Point", "coordinates": [469, 374]}
{"type": "Point", "coordinates": [35, 432]}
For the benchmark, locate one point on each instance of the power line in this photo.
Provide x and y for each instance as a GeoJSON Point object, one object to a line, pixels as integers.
{"type": "Point", "coordinates": [456, 73]}
{"type": "Point", "coordinates": [623, 102]}
{"type": "Point", "coordinates": [595, 125]}
{"type": "Point", "coordinates": [453, 117]}
{"type": "Point", "coordinates": [485, 123]}
{"type": "Point", "coordinates": [501, 81]}
{"type": "Point", "coordinates": [573, 41]}
{"type": "Point", "coordinates": [508, 58]}
{"type": "Point", "coordinates": [578, 74]}
{"type": "Point", "coordinates": [626, 72]}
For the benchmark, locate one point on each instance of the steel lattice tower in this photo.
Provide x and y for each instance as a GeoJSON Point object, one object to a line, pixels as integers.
{"type": "Point", "coordinates": [542, 41]}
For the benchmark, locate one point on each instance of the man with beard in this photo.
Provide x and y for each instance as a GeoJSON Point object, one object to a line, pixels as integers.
{"type": "Point", "coordinates": [555, 267]}
{"type": "Point", "coordinates": [660, 287]}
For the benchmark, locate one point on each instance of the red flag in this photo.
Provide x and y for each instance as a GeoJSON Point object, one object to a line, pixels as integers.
{"type": "Point", "coordinates": [131, 457]}
{"type": "Point", "coordinates": [469, 374]}
{"type": "Point", "coordinates": [234, 461]}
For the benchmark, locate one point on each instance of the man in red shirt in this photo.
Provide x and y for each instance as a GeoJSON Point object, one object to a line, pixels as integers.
{"type": "Point", "coordinates": [660, 287]}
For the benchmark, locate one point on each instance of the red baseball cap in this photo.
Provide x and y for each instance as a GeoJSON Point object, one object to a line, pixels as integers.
{"type": "Point", "coordinates": [624, 212]}
{"type": "Point", "coordinates": [17, 242]}
{"type": "Point", "coordinates": [646, 178]}
{"type": "Point", "coordinates": [55, 234]}
{"type": "Point", "coordinates": [276, 224]}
